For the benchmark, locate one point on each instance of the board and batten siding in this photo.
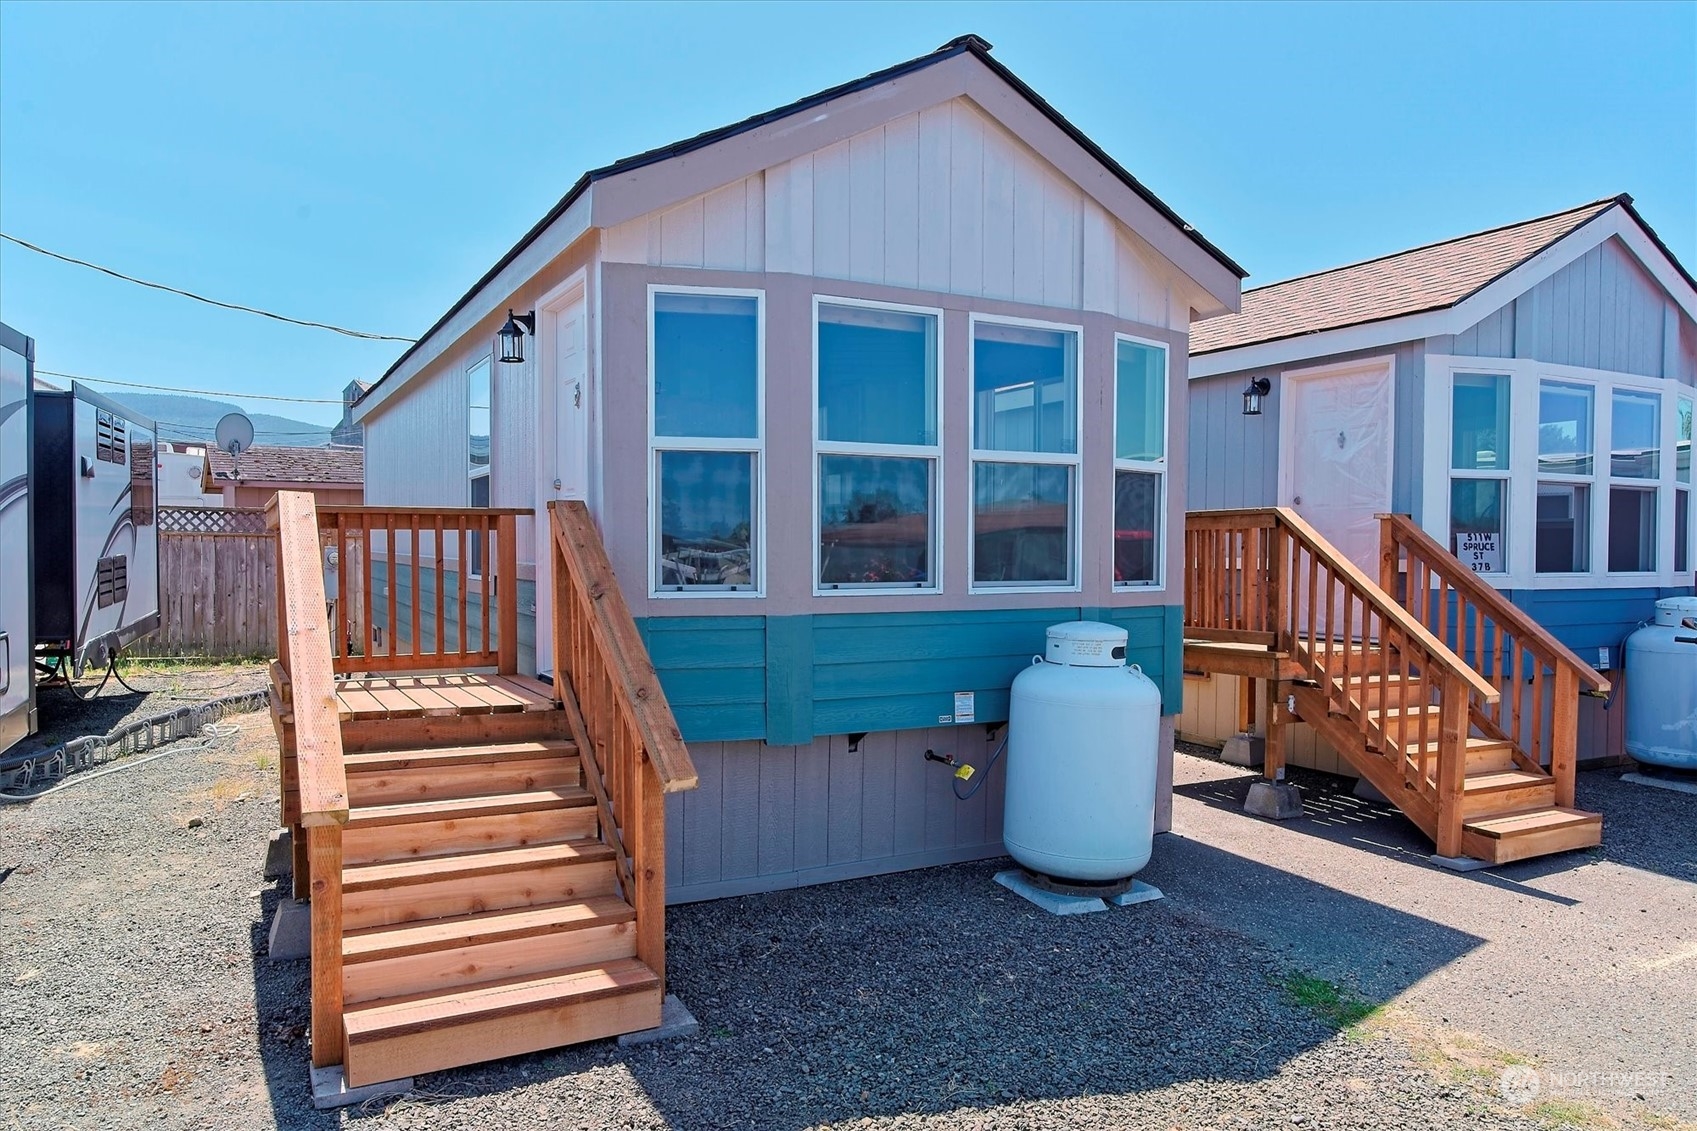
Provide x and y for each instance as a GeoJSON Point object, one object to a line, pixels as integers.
{"type": "Point", "coordinates": [1234, 459]}
{"type": "Point", "coordinates": [786, 679]}
{"type": "Point", "coordinates": [1602, 311]}
{"type": "Point", "coordinates": [940, 200]}
{"type": "Point", "coordinates": [767, 817]}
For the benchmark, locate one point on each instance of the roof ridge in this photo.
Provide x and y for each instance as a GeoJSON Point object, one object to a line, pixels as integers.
{"type": "Point", "coordinates": [1619, 198]}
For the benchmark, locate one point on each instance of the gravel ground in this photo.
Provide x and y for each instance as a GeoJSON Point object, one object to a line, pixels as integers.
{"type": "Point", "coordinates": [134, 991]}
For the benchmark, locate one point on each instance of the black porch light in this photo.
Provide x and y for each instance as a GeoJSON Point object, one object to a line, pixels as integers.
{"type": "Point", "coordinates": [1258, 388]}
{"type": "Point", "coordinates": [512, 336]}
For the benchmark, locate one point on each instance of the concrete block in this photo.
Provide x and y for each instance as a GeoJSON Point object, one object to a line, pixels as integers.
{"type": "Point", "coordinates": [1279, 800]}
{"type": "Point", "coordinates": [291, 931]}
{"type": "Point", "coordinates": [1245, 750]}
{"type": "Point", "coordinates": [675, 1021]}
{"type": "Point", "coordinates": [1458, 863]}
{"type": "Point", "coordinates": [279, 855]}
{"type": "Point", "coordinates": [1367, 791]}
{"type": "Point", "coordinates": [1053, 902]}
{"type": "Point", "coordinates": [1139, 892]}
{"type": "Point", "coordinates": [1678, 785]}
{"type": "Point", "coordinates": [330, 1089]}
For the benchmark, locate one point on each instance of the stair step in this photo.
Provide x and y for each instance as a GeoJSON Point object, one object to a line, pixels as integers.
{"type": "Point", "coordinates": [377, 943]}
{"type": "Point", "coordinates": [376, 816]}
{"type": "Point", "coordinates": [1508, 837]}
{"type": "Point", "coordinates": [386, 893]}
{"type": "Point", "coordinates": [438, 757]}
{"type": "Point", "coordinates": [384, 833]}
{"type": "Point", "coordinates": [389, 777]}
{"type": "Point", "coordinates": [1372, 692]}
{"type": "Point", "coordinates": [1491, 781]}
{"type": "Point", "coordinates": [391, 1039]}
{"type": "Point", "coordinates": [442, 954]}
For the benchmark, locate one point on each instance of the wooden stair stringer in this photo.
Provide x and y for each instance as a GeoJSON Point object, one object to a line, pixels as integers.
{"type": "Point", "coordinates": [1348, 739]}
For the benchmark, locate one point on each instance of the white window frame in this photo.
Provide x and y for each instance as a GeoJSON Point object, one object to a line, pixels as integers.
{"type": "Point", "coordinates": [1144, 466]}
{"type": "Point", "coordinates": [1595, 483]}
{"type": "Point", "coordinates": [933, 452]}
{"type": "Point", "coordinates": [1525, 380]}
{"type": "Point", "coordinates": [755, 447]}
{"type": "Point", "coordinates": [475, 549]}
{"type": "Point", "coordinates": [975, 456]}
{"type": "Point", "coordinates": [1687, 395]}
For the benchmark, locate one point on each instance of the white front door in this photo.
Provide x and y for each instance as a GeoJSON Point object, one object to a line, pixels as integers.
{"type": "Point", "coordinates": [568, 341]}
{"type": "Point", "coordinates": [1337, 442]}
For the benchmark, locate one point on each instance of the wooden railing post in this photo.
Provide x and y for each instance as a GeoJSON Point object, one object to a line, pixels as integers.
{"type": "Point", "coordinates": [1452, 762]}
{"type": "Point", "coordinates": [648, 866]}
{"type": "Point", "coordinates": [1564, 734]}
{"type": "Point", "coordinates": [507, 591]}
{"type": "Point", "coordinates": [1389, 565]}
{"type": "Point", "coordinates": [324, 847]}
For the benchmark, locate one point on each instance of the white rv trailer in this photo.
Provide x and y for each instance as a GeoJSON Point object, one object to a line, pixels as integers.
{"type": "Point", "coordinates": [17, 636]}
{"type": "Point", "coordinates": [95, 530]}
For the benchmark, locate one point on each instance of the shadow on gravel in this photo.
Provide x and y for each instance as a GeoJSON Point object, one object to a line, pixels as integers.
{"type": "Point", "coordinates": [282, 993]}
{"type": "Point", "coordinates": [1640, 826]}
{"type": "Point", "coordinates": [937, 990]}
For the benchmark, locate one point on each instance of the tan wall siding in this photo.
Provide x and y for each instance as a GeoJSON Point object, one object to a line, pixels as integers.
{"type": "Point", "coordinates": [942, 200]}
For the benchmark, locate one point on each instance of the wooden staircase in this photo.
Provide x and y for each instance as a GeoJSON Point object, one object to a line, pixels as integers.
{"type": "Point", "coordinates": [1453, 703]}
{"type": "Point", "coordinates": [485, 861]}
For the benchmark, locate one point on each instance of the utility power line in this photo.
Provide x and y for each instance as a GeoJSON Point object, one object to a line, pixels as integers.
{"type": "Point", "coordinates": [202, 298]}
{"type": "Point", "coordinates": [175, 389]}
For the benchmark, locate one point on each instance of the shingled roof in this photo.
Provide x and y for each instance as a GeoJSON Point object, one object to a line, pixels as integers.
{"type": "Point", "coordinates": [264, 464]}
{"type": "Point", "coordinates": [1433, 277]}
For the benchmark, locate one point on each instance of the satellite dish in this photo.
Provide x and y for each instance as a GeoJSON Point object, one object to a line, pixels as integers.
{"type": "Point", "coordinates": [235, 435]}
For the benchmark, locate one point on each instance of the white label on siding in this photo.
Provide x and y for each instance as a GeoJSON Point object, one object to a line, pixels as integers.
{"type": "Point", "coordinates": [966, 710]}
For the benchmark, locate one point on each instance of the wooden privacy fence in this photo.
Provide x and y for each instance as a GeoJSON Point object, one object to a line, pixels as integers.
{"type": "Point", "coordinates": [217, 584]}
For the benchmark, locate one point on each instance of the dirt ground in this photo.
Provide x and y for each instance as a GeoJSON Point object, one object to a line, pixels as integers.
{"type": "Point", "coordinates": [1314, 974]}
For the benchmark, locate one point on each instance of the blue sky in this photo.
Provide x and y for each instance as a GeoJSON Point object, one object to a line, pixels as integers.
{"type": "Point", "coordinates": [363, 165]}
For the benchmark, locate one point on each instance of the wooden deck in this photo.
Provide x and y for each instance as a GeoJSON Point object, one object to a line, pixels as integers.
{"type": "Point", "coordinates": [363, 697]}
{"type": "Point", "coordinates": [484, 853]}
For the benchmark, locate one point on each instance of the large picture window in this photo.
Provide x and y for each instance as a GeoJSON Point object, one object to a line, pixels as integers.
{"type": "Point", "coordinates": [1140, 458]}
{"type": "Point", "coordinates": [876, 446]}
{"type": "Point", "coordinates": [1566, 432]}
{"type": "Point", "coordinates": [707, 441]}
{"type": "Point", "coordinates": [1025, 455]}
{"type": "Point", "coordinates": [1560, 476]}
{"type": "Point", "coordinates": [1479, 455]}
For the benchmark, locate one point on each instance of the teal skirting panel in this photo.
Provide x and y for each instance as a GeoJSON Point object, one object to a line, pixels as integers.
{"type": "Point", "coordinates": [787, 679]}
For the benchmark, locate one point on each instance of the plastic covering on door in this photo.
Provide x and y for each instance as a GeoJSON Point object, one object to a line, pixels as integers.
{"type": "Point", "coordinates": [1344, 444]}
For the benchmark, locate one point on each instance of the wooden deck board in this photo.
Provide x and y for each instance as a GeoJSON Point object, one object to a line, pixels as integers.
{"type": "Point", "coordinates": [410, 696]}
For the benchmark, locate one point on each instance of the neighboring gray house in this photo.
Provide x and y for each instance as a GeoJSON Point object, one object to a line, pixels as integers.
{"type": "Point", "coordinates": [839, 384]}
{"type": "Point", "coordinates": [1525, 393]}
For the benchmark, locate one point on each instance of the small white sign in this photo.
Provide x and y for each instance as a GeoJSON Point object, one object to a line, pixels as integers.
{"type": "Point", "coordinates": [1480, 550]}
{"type": "Point", "coordinates": [965, 709]}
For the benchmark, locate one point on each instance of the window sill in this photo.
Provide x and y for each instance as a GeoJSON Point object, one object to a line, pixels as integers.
{"type": "Point", "coordinates": [704, 594]}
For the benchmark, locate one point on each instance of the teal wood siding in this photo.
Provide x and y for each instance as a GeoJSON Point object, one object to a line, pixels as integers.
{"type": "Point", "coordinates": [787, 679]}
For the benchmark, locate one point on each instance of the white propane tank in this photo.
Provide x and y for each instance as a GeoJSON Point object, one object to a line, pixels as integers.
{"type": "Point", "coordinates": [1661, 687]}
{"type": "Point", "coordinates": [1082, 735]}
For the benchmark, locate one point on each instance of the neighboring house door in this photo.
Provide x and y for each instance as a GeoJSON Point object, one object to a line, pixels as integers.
{"type": "Point", "coordinates": [1336, 442]}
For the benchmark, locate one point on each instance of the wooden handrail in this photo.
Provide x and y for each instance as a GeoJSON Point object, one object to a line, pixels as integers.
{"type": "Point", "coordinates": [629, 744]}
{"type": "Point", "coordinates": [1506, 644]}
{"type": "Point", "coordinates": [1385, 604]}
{"type": "Point", "coordinates": [635, 682]}
{"type": "Point", "coordinates": [1404, 532]}
{"type": "Point", "coordinates": [472, 621]}
{"type": "Point", "coordinates": [304, 647]}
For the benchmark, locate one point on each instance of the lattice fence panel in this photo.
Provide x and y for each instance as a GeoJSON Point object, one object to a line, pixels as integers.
{"type": "Point", "coordinates": [211, 520]}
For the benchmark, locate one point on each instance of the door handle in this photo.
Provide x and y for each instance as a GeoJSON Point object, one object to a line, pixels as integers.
{"type": "Point", "coordinates": [1297, 500]}
{"type": "Point", "coordinates": [5, 662]}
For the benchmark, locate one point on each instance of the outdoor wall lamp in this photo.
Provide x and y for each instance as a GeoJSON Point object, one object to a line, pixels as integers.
{"type": "Point", "coordinates": [512, 336]}
{"type": "Point", "coordinates": [1258, 388]}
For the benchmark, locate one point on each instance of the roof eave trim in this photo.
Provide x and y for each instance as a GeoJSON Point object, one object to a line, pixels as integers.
{"type": "Point", "coordinates": [1622, 221]}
